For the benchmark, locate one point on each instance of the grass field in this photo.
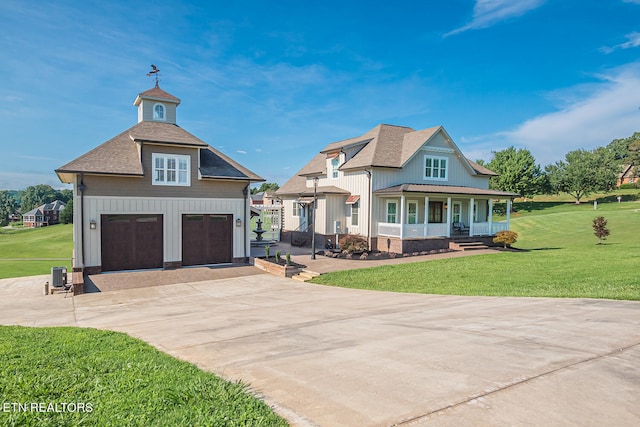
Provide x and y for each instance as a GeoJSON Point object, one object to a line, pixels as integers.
{"type": "Point", "coordinates": [558, 257]}
{"type": "Point", "coordinates": [124, 382]}
{"type": "Point", "coordinates": [33, 251]}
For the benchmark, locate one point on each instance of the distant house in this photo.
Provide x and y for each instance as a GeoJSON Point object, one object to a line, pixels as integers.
{"type": "Point", "coordinates": [264, 198]}
{"type": "Point", "coordinates": [401, 189]}
{"type": "Point", "coordinates": [627, 175]}
{"type": "Point", "coordinates": [47, 214]}
{"type": "Point", "coordinates": [156, 196]}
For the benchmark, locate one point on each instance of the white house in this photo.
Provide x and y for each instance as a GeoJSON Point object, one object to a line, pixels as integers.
{"type": "Point", "coordinates": [156, 196]}
{"type": "Point", "coordinates": [402, 189]}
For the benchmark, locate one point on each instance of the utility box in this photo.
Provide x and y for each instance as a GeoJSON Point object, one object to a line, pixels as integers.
{"type": "Point", "coordinates": [58, 276]}
{"type": "Point", "coordinates": [337, 227]}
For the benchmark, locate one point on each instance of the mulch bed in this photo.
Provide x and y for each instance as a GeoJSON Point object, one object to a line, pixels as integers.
{"type": "Point", "coordinates": [375, 255]}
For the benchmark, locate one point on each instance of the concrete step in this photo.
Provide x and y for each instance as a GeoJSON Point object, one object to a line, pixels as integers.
{"type": "Point", "coordinates": [467, 246]}
{"type": "Point", "coordinates": [305, 275]}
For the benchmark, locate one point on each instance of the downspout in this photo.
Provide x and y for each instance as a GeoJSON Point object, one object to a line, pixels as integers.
{"type": "Point", "coordinates": [370, 204]}
{"type": "Point", "coordinates": [245, 193]}
{"type": "Point", "coordinates": [82, 187]}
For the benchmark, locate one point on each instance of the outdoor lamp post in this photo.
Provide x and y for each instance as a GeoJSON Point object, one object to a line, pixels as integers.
{"type": "Point", "coordinates": [313, 217]}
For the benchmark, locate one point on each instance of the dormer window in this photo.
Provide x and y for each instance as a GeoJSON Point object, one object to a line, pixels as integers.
{"type": "Point", "coordinates": [335, 163]}
{"type": "Point", "coordinates": [435, 168]}
{"type": "Point", "coordinates": [158, 112]}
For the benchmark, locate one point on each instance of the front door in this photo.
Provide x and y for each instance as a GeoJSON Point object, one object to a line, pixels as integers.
{"type": "Point", "coordinates": [456, 214]}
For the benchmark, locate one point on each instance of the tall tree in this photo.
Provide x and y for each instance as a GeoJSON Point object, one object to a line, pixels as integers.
{"type": "Point", "coordinates": [8, 207]}
{"type": "Point", "coordinates": [37, 195]}
{"type": "Point", "coordinates": [66, 216]}
{"type": "Point", "coordinates": [266, 186]}
{"type": "Point", "coordinates": [517, 172]}
{"type": "Point", "coordinates": [584, 172]}
{"type": "Point", "coordinates": [626, 151]}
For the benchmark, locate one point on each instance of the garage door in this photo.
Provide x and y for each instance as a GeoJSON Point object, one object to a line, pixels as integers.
{"type": "Point", "coordinates": [131, 242]}
{"type": "Point", "coordinates": [207, 239]}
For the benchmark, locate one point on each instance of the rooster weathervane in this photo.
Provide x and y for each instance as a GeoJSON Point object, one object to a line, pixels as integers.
{"type": "Point", "coordinates": [154, 72]}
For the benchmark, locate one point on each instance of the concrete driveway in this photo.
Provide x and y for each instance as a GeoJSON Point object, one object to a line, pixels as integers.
{"type": "Point", "coordinates": [340, 357]}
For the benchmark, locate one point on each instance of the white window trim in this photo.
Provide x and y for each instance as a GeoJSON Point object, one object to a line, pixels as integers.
{"type": "Point", "coordinates": [296, 209]}
{"type": "Point", "coordinates": [439, 158]}
{"type": "Point", "coordinates": [414, 202]}
{"type": "Point", "coordinates": [335, 168]}
{"type": "Point", "coordinates": [355, 206]}
{"type": "Point", "coordinates": [389, 202]}
{"type": "Point", "coordinates": [164, 112]}
{"type": "Point", "coordinates": [177, 158]}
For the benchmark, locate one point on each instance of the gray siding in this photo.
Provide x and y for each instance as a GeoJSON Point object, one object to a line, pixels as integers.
{"type": "Point", "coordinates": [145, 111]}
{"type": "Point", "coordinates": [142, 186]}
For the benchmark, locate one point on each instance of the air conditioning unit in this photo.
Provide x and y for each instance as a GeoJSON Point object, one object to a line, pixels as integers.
{"type": "Point", "coordinates": [58, 276]}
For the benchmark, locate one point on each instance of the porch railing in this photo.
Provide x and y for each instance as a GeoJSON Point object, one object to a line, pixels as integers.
{"type": "Point", "coordinates": [435, 229]}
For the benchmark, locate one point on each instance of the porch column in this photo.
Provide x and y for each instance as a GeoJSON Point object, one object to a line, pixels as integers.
{"type": "Point", "coordinates": [472, 206]}
{"type": "Point", "coordinates": [490, 217]}
{"type": "Point", "coordinates": [449, 209]}
{"type": "Point", "coordinates": [508, 213]}
{"type": "Point", "coordinates": [402, 216]}
{"type": "Point", "coordinates": [426, 216]}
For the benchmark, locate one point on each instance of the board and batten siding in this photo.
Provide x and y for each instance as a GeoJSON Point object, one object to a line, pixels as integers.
{"type": "Point", "coordinates": [171, 209]}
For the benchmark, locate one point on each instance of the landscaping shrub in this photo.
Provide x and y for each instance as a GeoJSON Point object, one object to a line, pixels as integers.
{"type": "Point", "coordinates": [352, 243]}
{"type": "Point", "coordinates": [630, 186]}
{"type": "Point", "coordinates": [507, 238]}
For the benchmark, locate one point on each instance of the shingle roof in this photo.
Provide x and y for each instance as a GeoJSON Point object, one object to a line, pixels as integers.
{"type": "Point", "coordinates": [121, 154]}
{"type": "Point", "coordinates": [383, 146]}
{"type": "Point", "coordinates": [443, 189]}
{"type": "Point", "coordinates": [56, 205]}
{"type": "Point", "coordinates": [156, 93]}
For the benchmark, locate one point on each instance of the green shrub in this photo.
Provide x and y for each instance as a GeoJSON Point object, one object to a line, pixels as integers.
{"type": "Point", "coordinates": [278, 256]}
{"type": "Point", "coordinates": [507, 238]}
{"type": "Point", "coordinates": [266, 251]}
{"type": "Point", "coordinates": [630, 186]}
{"type": "Point", "coordinates": [288, 258]}
{"type": "Point", "coordinates": [352, 243]}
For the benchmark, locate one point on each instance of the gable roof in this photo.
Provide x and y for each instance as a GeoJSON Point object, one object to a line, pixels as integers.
{"type": "Point", "coordinates": [56, 205]}
{"type": "Point", "coordinates": [121, 154]}
{"type": "Point", "coordinates": [383, 146]}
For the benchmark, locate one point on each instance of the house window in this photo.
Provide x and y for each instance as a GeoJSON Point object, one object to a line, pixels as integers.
{"type": "Point", "coordinates": [335, 162]}
{"type": "Point", "coordinates": [475, 211]}
{"type": "Point", "coordinates": [296, 208]}
{"type": "Point", "coordinates": [435, 168]}
{"type": "Point", "coordinates": [171, 169]}
{"type": "Point", "coordinates": [355, 212]}
{"type": "Point", "coordinates": [158, 112]}
{"type": "Point", "coordinates": [412, 212]}
{"type": "Point", "coordinates": [392, 211]}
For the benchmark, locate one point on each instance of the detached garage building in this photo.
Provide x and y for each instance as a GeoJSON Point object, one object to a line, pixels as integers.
{"type": "Point", "coordinates": [155, 196]}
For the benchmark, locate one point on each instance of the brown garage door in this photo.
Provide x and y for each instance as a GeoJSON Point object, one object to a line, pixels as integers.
{"type": "Point", "coordinates": [207, 239]}
{"type": "Point", "coordinates": [131, 242]}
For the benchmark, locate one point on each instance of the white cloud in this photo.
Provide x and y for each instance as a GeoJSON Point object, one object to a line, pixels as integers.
{"type": "Point", "coordinates": [608, 111]}
{"type": "Point", "coordinates": [241, 151]}
{"type": "Point", "coordinates": [633, 41]}
{"type": "Point", "coordinates": [489, 12]}
{"type": "Point", "coordinates": [632, 1]}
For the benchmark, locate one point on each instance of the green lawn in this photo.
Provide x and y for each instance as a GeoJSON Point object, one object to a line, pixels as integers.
{"type": "Point", "coordinates": [559, 258]}
{"type": "Point", "coordinates": [35, 247]}
{"type": "Point", "coordinates": [123, 381]}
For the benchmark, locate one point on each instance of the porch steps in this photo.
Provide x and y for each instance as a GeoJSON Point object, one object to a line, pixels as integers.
{"type": "Point", "coordinates": [467, 246]}
{"type": "Point", "coordinates": [305, 275]}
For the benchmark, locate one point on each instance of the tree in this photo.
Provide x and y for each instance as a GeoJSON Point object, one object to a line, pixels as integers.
{"type": "Point", "coordinates": [517, 172]}
{"type": "Point", "coordinates": [37, 195]}
{"type": "Point", "coordinates": [506, 237]}
{"type": "Point", "coordinates": [266, 186]}
{"type": "Point", "coordinates": [8, 207]}
{"type": "Point", "coordinates": [584, 172]}
{"type": "Point", "coordinates": [66, 216]}
{"type": "Point", "coordinates": [65, 195]}
{"type": "Point", "coordinates": [600, 229]}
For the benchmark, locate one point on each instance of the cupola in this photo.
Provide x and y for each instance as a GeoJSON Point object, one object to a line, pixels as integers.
{"type": "Point", "coordinates": [156, 105]}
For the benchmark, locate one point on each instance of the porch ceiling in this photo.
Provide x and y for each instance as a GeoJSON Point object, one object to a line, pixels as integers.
{"type": "Point", "coordinates": [443, 189]}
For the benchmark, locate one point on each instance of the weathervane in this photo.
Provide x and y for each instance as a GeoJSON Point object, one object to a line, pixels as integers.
{"type": "Point", "coordinates": [154, 72]}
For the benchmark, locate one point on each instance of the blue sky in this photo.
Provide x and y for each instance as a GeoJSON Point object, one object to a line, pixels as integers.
{"type": "Point", "coordinates": [271, 83]}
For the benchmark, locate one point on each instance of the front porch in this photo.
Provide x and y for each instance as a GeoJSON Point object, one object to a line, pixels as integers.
{"type": "Point", "coordinates": [411, 222]}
